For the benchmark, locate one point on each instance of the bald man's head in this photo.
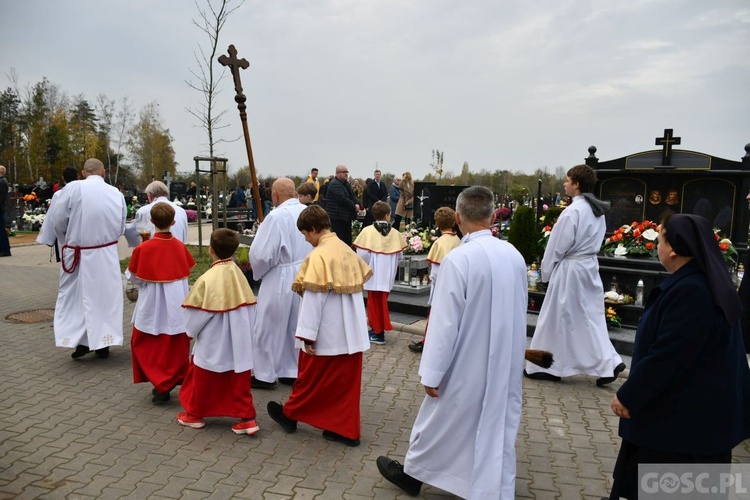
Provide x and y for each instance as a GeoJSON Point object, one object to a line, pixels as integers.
{"type": "Point", "coordinates": [282, 190]}
{"type": "Point", "coordinates": [93, 167]}
{"type": "Point", "coordinates": [2, 170]}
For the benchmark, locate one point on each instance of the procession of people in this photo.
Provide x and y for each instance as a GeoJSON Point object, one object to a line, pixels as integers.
{"type": "Point", "coordinates": [308, 326]}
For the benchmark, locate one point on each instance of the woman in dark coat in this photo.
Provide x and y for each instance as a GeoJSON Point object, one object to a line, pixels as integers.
{"type": "Point", "coordinates": [687, 398]}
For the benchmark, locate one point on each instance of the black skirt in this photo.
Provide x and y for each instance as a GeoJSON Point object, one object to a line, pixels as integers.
{"type": "Point", "coordinates": [625, 474]}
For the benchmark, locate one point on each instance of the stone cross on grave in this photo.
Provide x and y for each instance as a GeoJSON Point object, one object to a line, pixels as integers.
{"type": "Point", "coordinates": [167, 179]}
{"type": "Point", "coordinates": [666, 142]}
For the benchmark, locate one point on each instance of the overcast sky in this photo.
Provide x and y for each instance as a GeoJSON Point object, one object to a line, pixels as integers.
{"type": "Point", "coordinates": [513, 85]}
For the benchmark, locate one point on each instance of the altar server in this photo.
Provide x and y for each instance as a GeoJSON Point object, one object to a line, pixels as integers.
{"type": "Point", "coordinates": [160, 267]}
{"type": "Point", "coordinates": [87, 219]}
{"type": "Point", "coordinates": [381, 247]}
{"type": "Point", "coordinates": [332, 327]}
{"type": "Point", "coordinates": [275, 256]}
{"type": "Point", "coordinates": [219, 315]}
{"type": "Point", "coordinates": [572, 321]}
{"type": "Point", "coordinates": [463, 440]}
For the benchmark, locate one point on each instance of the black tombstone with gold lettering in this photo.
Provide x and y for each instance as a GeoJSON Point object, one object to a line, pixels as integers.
{"type": "Point", "coordinates": [649, 184]}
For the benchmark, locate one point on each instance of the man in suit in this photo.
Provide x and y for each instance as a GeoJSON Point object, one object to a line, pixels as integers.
{"type": "Point", "coordinates": [375, 191]}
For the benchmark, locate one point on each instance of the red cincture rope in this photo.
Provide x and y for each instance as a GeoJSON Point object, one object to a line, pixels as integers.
{"type": "Point", "coordinates": [77, 255]}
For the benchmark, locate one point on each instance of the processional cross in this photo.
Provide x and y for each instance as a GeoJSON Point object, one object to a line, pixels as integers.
{"type": "Point", "coordinates": [666, 142]}
{"type": "Point", "coordinates": [235, 65]}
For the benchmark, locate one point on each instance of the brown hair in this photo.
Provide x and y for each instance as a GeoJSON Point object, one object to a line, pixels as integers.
{"type": "Point", "coordinates": [313, 218]}
{"type": "Point", "coordinates": [380, 210]}
{"type": "Point", "coordinates": [585, 176]}
{"type": "Point", "coordinates": [307, 188]}
{"type": "Point", "coordinates": [224, 242]}
{"type": "Point", "coordinates": [445, 218]}
{"type": "Point", "coordinates": [162, 215]}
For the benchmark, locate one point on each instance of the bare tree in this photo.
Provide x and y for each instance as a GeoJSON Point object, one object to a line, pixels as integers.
{"type": "Point", "coordinates": [122, 125]}
{"type": "Point", "coordinates": [210, 20]}
{"type": "Point", "coordinates": [105, 110]}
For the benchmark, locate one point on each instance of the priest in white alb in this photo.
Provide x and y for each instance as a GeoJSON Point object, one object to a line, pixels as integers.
{"type": "Point", "coordinates": [156, 192]}
{"type": "Point", "coordinates": [275, 256]}
{"type": "Point", "coordinates": [463, 440]}
{"type": "Point", "coordinates": [88, 218]}
{"type": "Point", "coordinates": [572, 322]}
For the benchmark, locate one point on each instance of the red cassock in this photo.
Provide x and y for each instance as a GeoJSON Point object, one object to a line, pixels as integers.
{"type": "Point", "coordinates": [159, 358]}
{"type": "Point", "coordinates": [211, 394]}
{"type": "Point", "coordinates": [377, 311]}
{"type": "Point", "coordinates": [326, 393]}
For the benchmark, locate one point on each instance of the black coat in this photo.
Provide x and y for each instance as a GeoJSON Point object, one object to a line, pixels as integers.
{"type": "Point", "coordinates": [374, 194]}
{"type": "Point", "coordinates": [340, 200]}
{"type": "Point", "coordinates": [689, 385]}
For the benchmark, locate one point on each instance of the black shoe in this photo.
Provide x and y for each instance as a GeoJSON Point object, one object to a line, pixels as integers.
{"type": "Point", "coordinates": [602, 381]}
{"type": "Point", "coordinates": [4, 254]}
{"type": "Point", "coordinates": [161, 397]}
{"type": "Point", "coordinates": [276, 412]}
{"type": "Point", "coordinates": [103, 353]}
{"type": "Point", "coordinates": [394, 472]}
{"type": "Point", "coordinates": [259, 384]}
{"type": "Point", "coordinates": [332, 436]}
{"type": "Point", "coordinates": [287, 380]}
{"type": "Point", "coordinates": [416, 346]}
{"type": "Point", "coordinates": [80, 351]}
{"type": "Point", "coordinates": [541, 376]}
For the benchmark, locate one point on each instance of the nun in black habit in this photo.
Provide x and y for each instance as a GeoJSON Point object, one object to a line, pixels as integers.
{"type": "Point", "coordinates": [687, 398]}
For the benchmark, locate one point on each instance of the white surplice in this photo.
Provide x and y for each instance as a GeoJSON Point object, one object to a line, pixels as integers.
{"type": "Point", "coordinates": [277, 251]}
{"type": "Point", "coordinates": [464, 440]}
{"type": "Point", "coordinates": [89, 304]}
{"type": "Point", "coordinates": [222, 340]}
{"type": "Point", "coordinates": [571, 323]}
{"type": "Point", "coordinates": [384, 267]}
{"type": "Point", "coordinates": [336, 322]}
{"type": "Point", "coordinates": [159, 307]}
{"type": "Point", "coordinates": [143, 219]}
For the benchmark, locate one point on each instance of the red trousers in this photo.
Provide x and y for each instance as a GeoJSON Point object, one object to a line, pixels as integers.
{"type": "Point", "coordinates": [159, 359]}
{"type": "Point", "coordinates": [377, 311]}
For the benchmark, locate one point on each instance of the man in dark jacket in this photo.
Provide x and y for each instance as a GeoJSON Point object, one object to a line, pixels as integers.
{"type": "Point", "coordinates": [374, 192]}
{"type": "Point", "coordinates": [341, 204]}
{"type": "Point", "coordinates": [4, 243]}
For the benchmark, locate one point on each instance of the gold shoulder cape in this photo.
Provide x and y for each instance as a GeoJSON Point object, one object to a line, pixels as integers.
{"type": "Point", "coordinates": [441, 247]}
{"type": "Point", "coordinates": [371, 239]}
{"type": "Point", "coordinates": [222, 288]}
{"type": "Point", "coordinates": [333, 266]}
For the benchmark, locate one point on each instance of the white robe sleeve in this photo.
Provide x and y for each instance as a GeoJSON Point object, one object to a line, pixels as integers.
{"type": "Point", "coordinates": [310, 316]}
{"type": "Point", "coordinates": [448, 304]}
{"type": "Point", "coordinates": [264, 252]}
{"type": "Point", "coordinates": [365, 255]}
{"type": "Point", "coordinates": [560, 242]}
{"type": "Point", "coordinates": [47, 233]}
{"type": "Point", "coordinates": [195, 321]}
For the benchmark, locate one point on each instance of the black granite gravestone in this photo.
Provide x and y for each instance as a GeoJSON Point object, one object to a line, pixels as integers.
{"type": "Point", "coordinates": [428, 197]}
{"type": "Point", "coordinates": [177, 190]}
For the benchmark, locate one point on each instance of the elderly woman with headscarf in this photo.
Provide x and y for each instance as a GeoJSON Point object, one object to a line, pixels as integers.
{"type": "Point", "coordinates": [687, 398]}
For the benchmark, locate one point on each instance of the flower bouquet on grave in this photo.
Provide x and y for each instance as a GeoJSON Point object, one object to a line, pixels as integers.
{"type": "Point", "coordinates": [638, 238]}
{"type": "Point", "coordinates": [418, 241]}
{"type": "Point", "coordinates": [728, 252]}
{"type": "Point", "coordinates": [612, 318]}
{"type": "Point", "coordinates": [548, 221]}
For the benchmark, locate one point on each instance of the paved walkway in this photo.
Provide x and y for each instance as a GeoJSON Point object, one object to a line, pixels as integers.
{"type": "Point", "coordinates": [82, 429]}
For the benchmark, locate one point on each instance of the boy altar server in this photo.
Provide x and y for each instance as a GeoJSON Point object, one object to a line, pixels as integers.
{"type": "Point", "coordinates": [220, 315]}
{"type": "Point", "coordinates": [160, 268]}
{"type": "Point", "coordinates": [333, 329]}
{"type": "Point", "coordinates": [275, 256]}
{"type": "Point", "coordinates": [445, 219]}
{"type": "Point", "coordinates": [381, 247]}
{"type": "Point", "coordinates": [463, 440]}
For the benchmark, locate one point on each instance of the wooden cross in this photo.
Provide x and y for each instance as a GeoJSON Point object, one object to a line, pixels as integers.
{"type": "Point", "coordinates": [666, 142]}
{"type": "Point", "coordinates": [235, 65]}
